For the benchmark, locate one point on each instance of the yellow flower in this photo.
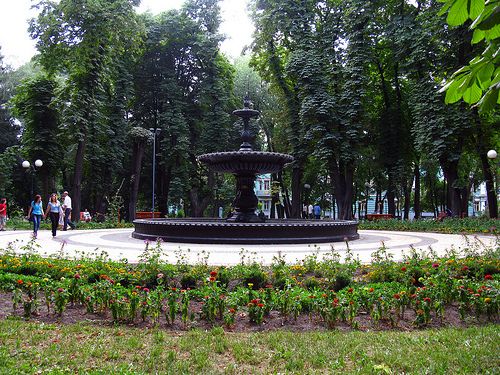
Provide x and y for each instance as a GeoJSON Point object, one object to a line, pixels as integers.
{"type": "Point", "coordinates": [487, 300]}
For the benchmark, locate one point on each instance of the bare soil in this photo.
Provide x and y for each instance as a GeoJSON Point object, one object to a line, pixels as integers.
{"type": "Point", "coordinates": [304, 322]}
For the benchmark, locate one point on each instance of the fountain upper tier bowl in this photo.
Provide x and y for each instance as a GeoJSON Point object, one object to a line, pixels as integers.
{"type": "Point", "coordinates": [257, 162]}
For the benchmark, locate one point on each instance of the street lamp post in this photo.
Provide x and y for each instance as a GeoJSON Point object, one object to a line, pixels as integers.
{"type": "Point", "coordinates": [32, 170]}
{"type": "Point", "coordinates": [155, 132]}
{"type": "Point", "coordinates": [492, 186]}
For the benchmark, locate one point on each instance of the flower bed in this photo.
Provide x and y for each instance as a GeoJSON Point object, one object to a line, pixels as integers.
{"type": "Point", "coordinates": [313, 294]}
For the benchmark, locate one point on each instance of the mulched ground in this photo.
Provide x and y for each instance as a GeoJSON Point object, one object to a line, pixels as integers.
{"type": "Point", "coordinates": [304, 323]}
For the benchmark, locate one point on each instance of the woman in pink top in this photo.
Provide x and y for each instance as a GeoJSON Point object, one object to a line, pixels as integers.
{"type": "Point", "coordinates": [3, 213]}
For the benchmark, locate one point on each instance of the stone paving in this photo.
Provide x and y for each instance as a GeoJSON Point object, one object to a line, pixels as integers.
{"type": "Point", "coordinates": [119, 244]}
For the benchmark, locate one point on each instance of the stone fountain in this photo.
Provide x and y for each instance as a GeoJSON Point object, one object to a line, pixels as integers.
{"type": "Point", "coordinates": [244, 226]}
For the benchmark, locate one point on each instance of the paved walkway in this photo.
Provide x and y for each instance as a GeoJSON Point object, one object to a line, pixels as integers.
{"type": "Point", "coordinates": [119, 244]}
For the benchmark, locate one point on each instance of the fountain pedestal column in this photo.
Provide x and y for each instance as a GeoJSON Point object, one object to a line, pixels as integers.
{"type": "Point", "coordinates": [245, 202]}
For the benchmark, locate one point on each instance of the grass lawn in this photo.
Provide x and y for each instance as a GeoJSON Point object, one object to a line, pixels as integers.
{"type": "Point", "coordinates": [34, 347]}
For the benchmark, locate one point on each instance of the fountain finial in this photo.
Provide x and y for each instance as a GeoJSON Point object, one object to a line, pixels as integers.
{"type": "Point", "coordinates": [246, 114]}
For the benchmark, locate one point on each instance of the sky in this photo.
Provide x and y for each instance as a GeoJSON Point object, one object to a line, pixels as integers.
{"type": "Point", "coordinates": [18, 48]}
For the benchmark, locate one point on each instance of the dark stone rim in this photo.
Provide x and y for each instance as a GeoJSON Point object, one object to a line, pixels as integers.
{"type": "Point", "coordinates": [214, 231]}
{"type": "Point", "coordinates": [223, 223]}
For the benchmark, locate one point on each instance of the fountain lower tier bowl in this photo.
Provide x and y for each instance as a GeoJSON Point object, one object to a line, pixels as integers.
{"type": "Point", "coordinates": [256, 162]}
{"type": "Point", "coordinates": [218, 231]}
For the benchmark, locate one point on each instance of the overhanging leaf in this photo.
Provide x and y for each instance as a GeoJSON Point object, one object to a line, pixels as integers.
{"type": "Point", "coordinates": [458, 13]}
{"type": "Point", "coordinates": [476, 7]}
{"type": "Point", "coordinates": [477, 36]}
{"type": "Point", "coordinates": [472, 94]}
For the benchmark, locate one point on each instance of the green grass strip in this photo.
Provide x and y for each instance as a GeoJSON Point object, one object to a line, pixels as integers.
{"type": "Point", "coordinates": [30, 347]}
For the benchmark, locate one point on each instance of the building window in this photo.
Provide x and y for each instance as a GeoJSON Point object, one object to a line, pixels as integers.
{"type": "Point", "coordinates": [267, 184]}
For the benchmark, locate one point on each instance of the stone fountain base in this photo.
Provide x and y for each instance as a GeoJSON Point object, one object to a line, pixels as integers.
{"type": "Point", "coordinates": [213, 231]}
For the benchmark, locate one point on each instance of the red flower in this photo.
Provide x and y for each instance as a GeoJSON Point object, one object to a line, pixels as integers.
{"type": "Point", "coordinates": [403, 269]}
{"type": "Point", "coordinates": [146, 290]}
{"type": "Point", "coordinates": [232, 311]}
{"type": "Point", "coordinates": [213, 274]}
{"type": "Point", "coordinates": [427, 299]}
{"type": "Point", "coordinates": [212, 279]}
{"type": "Point", "coordinates": [20, 282]}
{"type": "Point", "coordinates": [312, 296]}
{"type": "Point", "coordinates": [260, 304]}
{"type": "Point", "coordinates": [488, 277]}
{"type": "Point", "coordinates": [351, 302]}
{"type": "Point", "coordinates": [349, 290]}
{"type": "Point", "coordinates": [138, 287]}
{"type": "Point", "coordinates": [269, 286]}
{"type": "Point", "coordinates": [324, 295]}
{"type": "Point", "coordinates": [77, 276]}
{"type": "Point", "coordinates": [335, 302]}
{"type": "Point", "coordinates": [255, 301]}
{"type": "Point", "coordinates": [60, 290]}
{"type": "Point", "coordinates": [371, 290]}
{"type": "Point", "coordinates": [397, 296]}
{"type": "Point", "coordinates": [465, 268]}
{"type": "Point", "coordinates": [435, 265]}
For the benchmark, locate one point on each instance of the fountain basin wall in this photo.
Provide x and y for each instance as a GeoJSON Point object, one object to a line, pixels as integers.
{"type": "Point", "coordinates": [212, 231]}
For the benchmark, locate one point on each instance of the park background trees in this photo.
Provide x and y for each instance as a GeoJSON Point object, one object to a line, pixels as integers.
{"type": "Point", "coordinates": [350, 88]}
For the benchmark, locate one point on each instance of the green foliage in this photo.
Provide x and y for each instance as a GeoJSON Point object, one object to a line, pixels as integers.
{"type": "Point", "coordinates": [479, 81]}
{"type": "Point", "coordinates": [449, 225]}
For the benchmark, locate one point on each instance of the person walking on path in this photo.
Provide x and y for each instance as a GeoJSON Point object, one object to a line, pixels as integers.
{"type": "Point", "coordinates": [67, 211]}
{"type": "Point", "coordinates": [3, 213]}
{"type": "Point", "coordinates": [53, 212]}
{"type": "Point", "coordinates": [36, 209]}
{"type": "Point", "coordinates": [317, 211]}
{"type": "Point", "coordinates": [310, 211]}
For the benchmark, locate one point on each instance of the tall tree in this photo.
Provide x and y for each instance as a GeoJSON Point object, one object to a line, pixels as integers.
{"type": "Point", "coordinates": [35, 105]}
{"type": "Point", "coordinates": [83, 39]}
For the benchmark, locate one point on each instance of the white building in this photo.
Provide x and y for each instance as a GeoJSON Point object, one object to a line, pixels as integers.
{"type": "Point", "coordinates": [263, 192]}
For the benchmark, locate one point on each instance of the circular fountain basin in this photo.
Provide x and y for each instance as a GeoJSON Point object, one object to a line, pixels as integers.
{"type": "Point", "coordinates": [257, 162]}
{"type": "Point", "coordinates": [212, 231]}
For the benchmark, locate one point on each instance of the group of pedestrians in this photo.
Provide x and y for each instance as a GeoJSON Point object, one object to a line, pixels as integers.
{"type": "Point", "coordinates": [311, 212]}
{"type": "Point", "coordinates": [59, 213]}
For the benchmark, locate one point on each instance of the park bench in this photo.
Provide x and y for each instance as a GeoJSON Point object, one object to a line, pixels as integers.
{"type": "Point", "coordinates": [147, 214]}
{"type": "Point", "coordinates": [371, 217]}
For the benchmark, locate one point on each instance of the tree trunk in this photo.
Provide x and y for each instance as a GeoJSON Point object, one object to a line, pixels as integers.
{"type": "Point", "coordinates": [416, 199]}
{"type": "Point", "coordinates": [491, 195]}
{"type": "Point", "coordinates": [407, 197]}
{"type": "Point", "coordinates": [488, 175]}
{"type": "Point", "coordinates": [198, 206]}
{"type": "Point", "coordinates": [454, 200]}
{"type": "Point", "coordinates": [77, 180]}
{"type": "Point", "coordinates": [135, 176]}
{"type": "Point", "coordinates": [297, 172]}
{"type": "Point", "coordinates": [343, 188]}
